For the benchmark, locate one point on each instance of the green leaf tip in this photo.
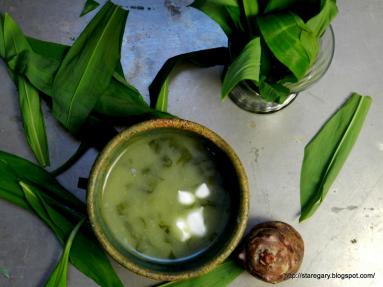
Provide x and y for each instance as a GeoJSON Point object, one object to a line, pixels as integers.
{"type": "Point", "coordinates": [326, 153]}
{"type": "Point", "coordinates": [58, 277]}
{"type": "Point", "coordinates": [89, 6]}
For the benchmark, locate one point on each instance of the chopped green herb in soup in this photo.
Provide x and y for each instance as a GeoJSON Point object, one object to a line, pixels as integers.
{"type": "Point", "coordinates": [165, 196]}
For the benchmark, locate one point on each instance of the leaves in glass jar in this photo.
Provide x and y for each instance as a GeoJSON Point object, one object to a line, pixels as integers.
{"type": "Point", "coordinates": [282, 34]}
{"type": "Point", "coordinates": [245, 67]}
{"type": "Point", "coordinates": [88, 67]}
{"type": "Point", "coordinates": [326, 153]}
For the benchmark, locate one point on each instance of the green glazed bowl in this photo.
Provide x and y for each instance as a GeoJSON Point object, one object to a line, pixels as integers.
{"type": "Point", "coordinates": [169, 271]}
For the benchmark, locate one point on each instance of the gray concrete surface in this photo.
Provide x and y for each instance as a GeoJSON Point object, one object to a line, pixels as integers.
{"type": "Point", "coordinates": [346, 233]}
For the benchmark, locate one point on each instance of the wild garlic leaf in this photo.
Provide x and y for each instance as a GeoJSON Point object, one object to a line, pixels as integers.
{"type": "Point", "coordinates": [9, 187]}
{"type": "Point", "coordinates": [26, 171]}
{"type": "Point", "coordinates": [273, 92]}
{"type": "Point", "coordinates": [203, 58]}
{"type": "Point", "coordinates": [90, 5]}
{"type": "Point", "coordinates": [281, 33]}
{"type": "Point", "coordinates": [302, 7]}
{"type": "Point", "coordinates": [245, 67]}
{"type": "Point", "coordinates": [21, 60]}
{"type": "Point", "coordinates": [278, 5]}
{"type": "Point", "coordinates": [162, 101]}
{"type": "Point", "coordinates": [15, 44]}
{"type": "Point", "coordinates": [221, 276]}
{"type": "Point", "coordinates": [218, 11]}
{"type": "Point", "coordinates": [309, 40]}
{"type": "Point", "coordinates": [326, 153]}
{"type": "Point", "coordinates": [39, 206]}
{"type": "Point", "coordinates": [33, 120]}
{"type": "Point", "coordinates": [58, 277]}
{"type": "Point", "coordinates": [251, 10]}
{"type": "Point", "coordinates": [319, 23]}
{"type": "Point", "coordinates": [88, 66]}
{"type": "Point", "coordinates": [86, 254]}
{"type": "Point", "coordinates": [119, 100]}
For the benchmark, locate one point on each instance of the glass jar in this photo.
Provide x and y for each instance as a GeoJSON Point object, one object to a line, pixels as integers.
{"type": "Point", "coordinates": [244, 96]}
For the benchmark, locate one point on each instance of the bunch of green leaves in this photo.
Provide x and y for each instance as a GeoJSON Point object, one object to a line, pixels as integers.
{"type": "Point", "coordinates": [85, 86]}
{"type": "Point", "coordinates": [32, 188]}
{"type": "Point", "coordinates": [84, 83]}
{"type": "Point", "coordinates": [271, 43]}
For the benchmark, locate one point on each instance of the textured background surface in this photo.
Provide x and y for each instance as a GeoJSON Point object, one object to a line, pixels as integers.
{"type": "Point", "coordinates": [271, 146]}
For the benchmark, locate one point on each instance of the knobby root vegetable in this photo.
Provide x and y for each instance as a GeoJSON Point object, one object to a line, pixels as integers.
{"type": "Point", "coordinates": [272, 251]}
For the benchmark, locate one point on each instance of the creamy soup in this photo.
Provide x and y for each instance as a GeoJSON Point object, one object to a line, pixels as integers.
{"type": "Point", "coordinates": [164, 196]}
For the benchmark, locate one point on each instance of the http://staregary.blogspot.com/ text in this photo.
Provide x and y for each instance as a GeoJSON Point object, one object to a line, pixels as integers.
{"type": "Point", "coordinates": [329, 276]}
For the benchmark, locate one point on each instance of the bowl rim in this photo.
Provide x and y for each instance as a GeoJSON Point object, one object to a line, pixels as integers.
{"type": "Point", "coordinates": [185, 126]}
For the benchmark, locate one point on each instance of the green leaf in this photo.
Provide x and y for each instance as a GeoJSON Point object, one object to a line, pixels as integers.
{"type": "Point", "coordinates": [42, 210]}
{"type": "Point", "coordinates": [304, 8]}
{"type": "Point", "coordinates": [46, 49]}
{"type": "Point", "coordinates": [245, 67]}
{"type": "Point", "coordinates": [221, 276]}
{"type": "Point", "coordinates": [21, 60]}
{"type": "Point", "coordinates": [87, 68]}
{"type": "Point", "coordinates": [218, 11]}
{"type": "Point", "coordinates": [119, 100]}
{"type": "Point", "coordinates": [85, 254]}
{"type": "Point", "coordinates": [33, 120]}
{"type": "Point", "coordinates": [14, 45]}
{"type": "Point", "coordinates": [282, 34]}
{"type": "Point", "coordinates": [162, 102]}
{"type": "Point", "coordinates": [251, 10]}
{"type": "Point", "coordinates": [23, 170]}
{"type": "Point", "coordinates": [319, 23]}
{"type": "Point", "coordinates": [5, 272]}
{"type": "Point", "coordinates": [326, 153]}
{"type": "Point", "coordinates": [273, 92]}
{"type": "Point", "coordinates": [59, 276]}
{"type": "Point", "coordinates": [9, 188]}
{"type": "Point", "coordinates": [202, 58]}
{"type": "Point", "coordinates": [278, 5]}
{"type": "Point", "coordinates": [90, 5]}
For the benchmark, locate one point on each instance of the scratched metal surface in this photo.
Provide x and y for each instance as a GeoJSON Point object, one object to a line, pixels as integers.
{"type": "Point", "coordinates": [346, 233]}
